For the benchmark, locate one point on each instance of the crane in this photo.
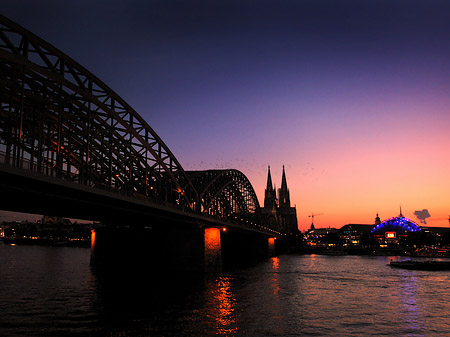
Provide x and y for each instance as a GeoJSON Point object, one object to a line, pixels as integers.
{"type": "Point", "coordinates": [312, 220]}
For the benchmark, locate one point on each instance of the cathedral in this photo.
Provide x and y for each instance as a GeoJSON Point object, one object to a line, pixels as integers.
{"type": "Point", "coordinates": [277, 212]}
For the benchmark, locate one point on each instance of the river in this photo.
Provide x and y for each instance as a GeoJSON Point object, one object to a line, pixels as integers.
{"type": "Point", "coordinates": [52, 291]}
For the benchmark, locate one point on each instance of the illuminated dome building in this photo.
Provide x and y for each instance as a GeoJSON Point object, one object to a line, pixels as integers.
{"type": "Point", "coordinates": [392, 231]}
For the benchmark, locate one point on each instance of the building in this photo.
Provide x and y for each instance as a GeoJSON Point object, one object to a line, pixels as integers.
{"type": "Point", "coordinates": [322, 237]}
{"type": "Point", "coordinates": [277, 212]}
{"type": "Point", "coordinates": [395, 235]}
{"type": "Point", "coordinates": [355, 234]}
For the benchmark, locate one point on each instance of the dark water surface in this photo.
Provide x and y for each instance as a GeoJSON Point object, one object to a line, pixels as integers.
{"type": "Point", "coordinates": [52, 291]}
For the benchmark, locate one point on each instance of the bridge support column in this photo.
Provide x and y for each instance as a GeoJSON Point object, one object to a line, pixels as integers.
{"type": "Point", "coordinates": [271, 247]}
{"type": "Point", "coordinates": [213, 250]}
{"type": "Point", "coordinates": [174, 248]}
{"type": "Point", "coordinates": [170, 248]}
{"type": "Point", "coordinates": [242, 248]}
{"type": "Point", "coordinates": [93, 235]}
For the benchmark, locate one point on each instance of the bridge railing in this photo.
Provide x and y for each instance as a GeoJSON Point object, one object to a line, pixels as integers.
{"type": "Point", "coordinates": [59, 120]}
{"type": "Point", "coordinates": [32, 166]}
{"type": "Point", "coordinates": [29, 165]}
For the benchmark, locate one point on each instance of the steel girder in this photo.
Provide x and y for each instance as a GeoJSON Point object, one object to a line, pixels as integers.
{"type": "Point", "coordinates": [60, 120]}
{"type": "Point", "coordinates": [227, 194]}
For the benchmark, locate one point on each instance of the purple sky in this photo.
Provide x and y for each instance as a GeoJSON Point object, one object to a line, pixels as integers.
{"type": "Point", "coordinates": [352, 96]}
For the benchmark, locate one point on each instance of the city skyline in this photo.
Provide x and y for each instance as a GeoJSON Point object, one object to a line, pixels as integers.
{"type": "Point", "coordinates": [351, 98]}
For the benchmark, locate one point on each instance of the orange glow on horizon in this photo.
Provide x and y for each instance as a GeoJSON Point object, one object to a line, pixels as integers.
{"type": "Point", "coordinates": [355, 181]}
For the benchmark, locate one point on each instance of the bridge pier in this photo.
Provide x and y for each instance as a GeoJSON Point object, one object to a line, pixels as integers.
{"type": "Point", "coordinates": [147, 249]}
{"type": "Point", "coordinates": [271, 247]}
{"type": "Point", "coordinates": [173, 248]}
{"type": "Point", "coordinates": [213, 250]}
{"type": "Point", "coordinates": [242, 248]}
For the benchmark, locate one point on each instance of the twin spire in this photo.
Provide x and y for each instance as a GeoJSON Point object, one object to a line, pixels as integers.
{"type": "Point", "coordinates": [270, 199]}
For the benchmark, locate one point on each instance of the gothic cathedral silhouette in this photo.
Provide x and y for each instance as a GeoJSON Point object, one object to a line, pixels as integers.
{"type": "Point", "coordinates": [277, 212]}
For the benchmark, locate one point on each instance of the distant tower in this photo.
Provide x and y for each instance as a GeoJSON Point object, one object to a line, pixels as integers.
{"type": "Point", "coordinates": [270, 198]}
{"type": "Point", "coordinates": [377, 220]}
{"type": "Point", "coordinates": [283, 192]}
{"type": "Point", "coordinates": [287, 215]}
{"type": "Point", "coordinates": [279, 214]}
{"type": "Point", "coordinates": [401, 214]}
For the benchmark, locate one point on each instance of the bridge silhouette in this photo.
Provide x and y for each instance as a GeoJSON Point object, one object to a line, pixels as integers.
{"type": "Point", "coordinates": [70, 146]}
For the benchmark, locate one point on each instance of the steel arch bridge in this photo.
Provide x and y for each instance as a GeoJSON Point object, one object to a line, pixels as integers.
{"type": "Point", "coordinates": [227, 194]}
{"type": "Point", "coordinates": [59, 120]}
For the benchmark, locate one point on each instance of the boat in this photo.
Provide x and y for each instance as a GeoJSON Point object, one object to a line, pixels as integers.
{"type": "Point", "coordinates": [421, 265]}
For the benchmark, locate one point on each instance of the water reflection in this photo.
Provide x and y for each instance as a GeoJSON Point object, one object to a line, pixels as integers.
{"type": "Point", "coordinates": [275, 263]}
{"type": "Point", "coordinates": [408, 297]}
{"type": "Point", "coordinates": [275, 304]}
{"type": "Point", "coordinates": [49, 291]}
{"type": "Point", "coordinates": [222, 309]}
{"type": "Point", "coordinates": [275, 284]}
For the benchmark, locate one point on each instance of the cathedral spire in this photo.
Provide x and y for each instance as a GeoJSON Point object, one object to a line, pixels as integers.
{"type": "Point", "coordinates": [278, 213]}
{"type": "Point", "coordinates": [270, 197]}
{"type": "Point", "coordinates": [269, 181]}
{"type": "Point", "coordinates": [283, 181]}
{"type": "Point", "coordinates": [283, 192]}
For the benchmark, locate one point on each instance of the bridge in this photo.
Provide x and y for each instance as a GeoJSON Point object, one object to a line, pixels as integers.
{"type": "Point", "coordinates": [70, 146]}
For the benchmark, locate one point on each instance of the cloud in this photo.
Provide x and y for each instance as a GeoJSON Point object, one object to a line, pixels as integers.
{"type": "Point", "coordinates": [422, 215]}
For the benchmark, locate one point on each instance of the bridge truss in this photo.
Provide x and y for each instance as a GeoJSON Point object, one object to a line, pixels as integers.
{"type": "Point", "coordinates": [227, 194]}
{"type": "Point", "coordinates": [59, 120]}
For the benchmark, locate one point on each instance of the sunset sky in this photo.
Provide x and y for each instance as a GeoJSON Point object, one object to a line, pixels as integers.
{"type": "Point", "coordinates": [353, 97]}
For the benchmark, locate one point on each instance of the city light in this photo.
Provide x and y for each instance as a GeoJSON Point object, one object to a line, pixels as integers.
{"type": "Point", "coordinates": [391, 235]}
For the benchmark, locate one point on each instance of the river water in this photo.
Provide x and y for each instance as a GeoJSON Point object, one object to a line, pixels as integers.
{"type": "Point", "coordinates": [52, 291]}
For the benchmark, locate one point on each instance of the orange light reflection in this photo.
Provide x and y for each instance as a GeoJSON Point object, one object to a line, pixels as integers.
{"type": "Point", "coordinates": [225, 317]}
{"type": "Point", "coordinates": [275, 284]}
{"type": "Point", "coordinates": [275, 263]}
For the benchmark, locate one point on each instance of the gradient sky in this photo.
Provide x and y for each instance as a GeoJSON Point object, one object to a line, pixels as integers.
{"type": "Point", "coordinates": [351, 96]}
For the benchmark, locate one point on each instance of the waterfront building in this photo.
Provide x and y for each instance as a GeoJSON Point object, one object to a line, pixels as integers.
{"type": "Point", "coordinates": [394, 231]}
{"type": "Point", "coordinates": [322, 237]}
{"type": "Point", "coordinates": [394, 235]}
{"type": "Point", "coordinates": [277, 212]}
{"type": "Point", "coordinates": [355, 234]}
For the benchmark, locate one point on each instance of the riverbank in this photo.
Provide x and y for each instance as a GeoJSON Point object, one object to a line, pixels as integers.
{"type": "Point", "coordinates": [376, 251]}
{"type": "Point", "coordinates": [33, 241]}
